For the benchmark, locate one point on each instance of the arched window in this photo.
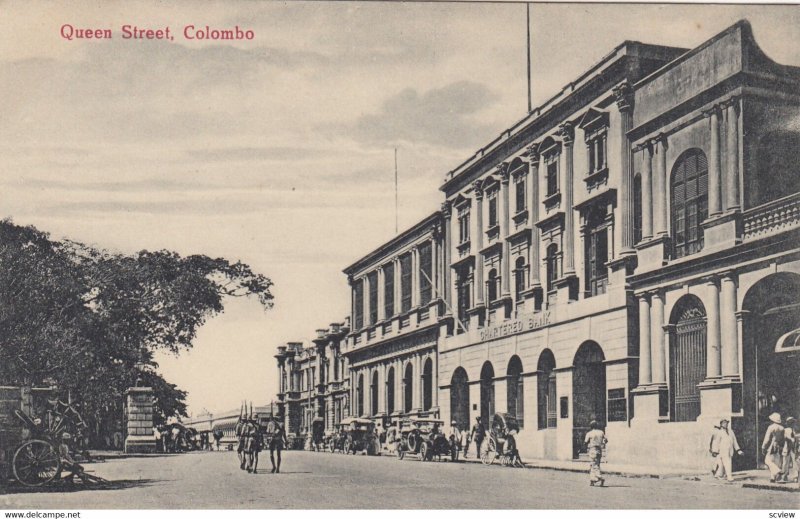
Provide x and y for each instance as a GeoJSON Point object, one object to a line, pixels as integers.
{"type": "Point", "coordinates": [520, 277]}
{"type": "Point", "coordinates": [408, 388]}
{"type": "Point", "coordinates": [390, 391]}
{"type": "Point", "coordinates": [687, 358]}
{"type": "Point", "coordinates": [459, 398]}
{"type": "Point", "coordinates": [637, 208]}
{"type": "Point", "coordinates": [373, 394]}
{"type": "Point", "coordinates": [493, 285]}
{"type": "Point", "coordinates": [487, 393]}
{"type": "Point", "coordinates": [427, 385]}
{"type": "Point", "coordinates": [360, 396]}
{"type": "Point", "coordinates": [689, 188]}
{"type": "Point", "coordinates": [552, 266]}
{"type": "Point", "coordinates": [546, 390]}
{"type": "Point", "coordinates": [515, 390]}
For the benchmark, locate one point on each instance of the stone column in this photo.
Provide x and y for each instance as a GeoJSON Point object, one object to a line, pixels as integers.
{"type": "Point", "coordinates": [567, 132]}
{"type": "Point", "coordinates": [713, 340]}
{"type": "Point", "coordinates": [645, 372]}
{"type": "Point", "coordinates": [505, 260]}
{"type": "Point", "coordinates": [533, 157]}
{"type": "Point", "coordinates": [659, 180]}
{"type": "Point", "coordinates": [139, 435]}
{"type": "Point", "coordinates": [434, 281]}
{"type": "Point", "coordinates": [657, 343]}
{"type": "Point", "coordinates": [448, 287]}
{"type": "Point", "coordinates": [478, 239]}
{"type": "Point", "coordinates": [399, 397]}
{"type": "Point", "coordinates": [416, 392]}
{"type": "Point", "coordinates": [732, 152]}
{"type": "Point", "coordinates": [623, 94]}
{"type": "Point", "coordinates": [729, 326]}
{"type": "Point", "coordinates": [435, 378]}
{"type": "Point", "coordinates": [714, 172]}
{"type": "Point", "coordinates": [647, 192]}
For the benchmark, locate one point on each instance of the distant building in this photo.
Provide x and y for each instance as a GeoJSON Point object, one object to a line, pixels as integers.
{"type": "Point", "coordinates": [226, 421]}
{"type": "Point", "coordinates": [396, 311]}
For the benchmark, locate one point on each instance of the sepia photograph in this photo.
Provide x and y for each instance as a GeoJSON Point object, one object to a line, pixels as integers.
{"type": "Point", "coordinates": [385, 256]}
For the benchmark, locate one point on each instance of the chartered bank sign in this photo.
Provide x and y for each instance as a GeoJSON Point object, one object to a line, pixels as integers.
{"type": "Point", "coordinates": [524, 324]}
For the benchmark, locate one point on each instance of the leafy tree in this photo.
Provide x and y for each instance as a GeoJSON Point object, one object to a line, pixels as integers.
{"type": "Point", "coordinates": [88, 320]}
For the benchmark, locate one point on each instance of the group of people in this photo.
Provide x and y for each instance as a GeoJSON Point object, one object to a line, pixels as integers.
{"type": "Point", "coordinates": [779, 449]}
{"type": "Point", "coordinates": [477, 435]}
{"type": "Point", "coordinates": [252, 439]}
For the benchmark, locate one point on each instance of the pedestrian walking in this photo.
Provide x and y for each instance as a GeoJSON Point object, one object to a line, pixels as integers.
{"type": "Point", "coordinates": [454, 435]}
{"type": "Point", "coordinates": [772, 447]}
{"type": "Point", "coordinates": [477, 434]}
{"type": "Point", "coordinates": [789, 452]}
{"type": "Point", "coordinates": [727, 447]}
{"type": "Point", "coordinates": [276, 437]}
{"type": "Point", "coordinates": [595, 441]}
{"type": "Point", "coordinates": [713, 449]}
{"type": "Point", "coordinates": [218, 434]}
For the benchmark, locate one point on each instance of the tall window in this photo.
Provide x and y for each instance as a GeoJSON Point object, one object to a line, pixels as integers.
{"type": "Point", "coordinates": [464, 292]}
{"type": "Point", "coordinates": [388, 289]}
{"type": "Point", "coordinates": [515, 390]}
{"type": "Point", "coordinates": [689, 202]}
{"type": "Point", "coordinates": [493, 285]}
{"type": "Point", "coordinates": [373, 394]}
{"type": "Point", "coordinates": [372, 279]}
{"type": "Point", "coordinates": [596, 251]}
{"type": "Point", "coordinates": [546, 390]}
{"type": "Point", "coordinates": [405, 282]}
{"type": "Point", "coordinates": [596, 150]}
{"type": "Point", "coordinates": [551, 260]}
{"type": "Point", "coordinates": [425, 273]}
{"type": "Point", "coordinates": [520, 277]}
{"type": "Point", "coordinates": [427, 385]}
{"type": "Point", "coordinates": [551, 172]}
{"type": "Point", "coordinates": [637, 208]}
{"type": "Point", "coordinates": [390, 391]}
{"type": "Point", "coordinates": [463, 224]}
{"type": "Point", "coordinates": [358, 304]}
{"type": "Point", "coordinates": [408, 388]}
{"type": "Point", "coordinates": [491, 198]}
{"type": "Point", "coordinates": [360, 396]}
{"type": "Point", "coordinates": [519, 193]}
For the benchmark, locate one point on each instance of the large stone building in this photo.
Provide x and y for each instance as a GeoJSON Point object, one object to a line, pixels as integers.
{"type": "Point", "coordinates": [396, 310]}
{"type": "Point", "coordinates": [313, 383]}
{"type": "Point", "coordinates": [627, 253]}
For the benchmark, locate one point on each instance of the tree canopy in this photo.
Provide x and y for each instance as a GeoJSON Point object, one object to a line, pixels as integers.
{"type": "Point", "coordinates": [89, 320]}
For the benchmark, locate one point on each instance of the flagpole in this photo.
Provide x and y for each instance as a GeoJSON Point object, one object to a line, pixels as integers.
{"type": "Point", "coordinates": [396, 227]}
{"type": "Point", "coordinates": [528, 30]}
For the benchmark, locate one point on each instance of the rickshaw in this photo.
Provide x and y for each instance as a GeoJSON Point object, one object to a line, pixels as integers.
{"type": "Point", "coordinates": [493, 446]}
{"type": "Point", "coordinates": [359, 435]}
{"type": "Point", "coordinates": [423, 437]}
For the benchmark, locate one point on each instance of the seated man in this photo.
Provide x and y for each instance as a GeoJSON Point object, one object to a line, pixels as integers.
{"type": "Point", "coordinates": [511, 449]}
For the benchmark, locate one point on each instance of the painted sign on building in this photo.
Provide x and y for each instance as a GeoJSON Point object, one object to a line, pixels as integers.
{"type": "Point", "coordinates": [523, 324]}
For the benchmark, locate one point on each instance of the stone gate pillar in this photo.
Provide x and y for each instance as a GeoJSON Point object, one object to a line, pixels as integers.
{"type": "Point", "coordinates": [139, 436]}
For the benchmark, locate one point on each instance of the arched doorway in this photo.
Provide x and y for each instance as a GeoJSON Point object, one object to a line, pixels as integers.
{"type": "Point", "coordinates": [487, 393]}
{"type": "Point", "coordinates": [588, 392]}
{"type": "Point", "coordinates": [546, 390]}
{"type": "Point", "coordinates": [459, 398]}
{"type": "Point", "coordinates": [515, 391]}
{"type": "Point", "coordinates": [687, 358]}
{"type": "Point", "coordinates": [390, 391]}
{"type": "Point", "coordinates": [408, 388]}
{"type": "Point", "coordinates": [771, 374]}
{"type": "Point", "coordinates": [427, 385]}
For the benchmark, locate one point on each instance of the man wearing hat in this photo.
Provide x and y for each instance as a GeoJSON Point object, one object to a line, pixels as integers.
{"type": "Point", "coordinates": [595, 441]}
{"type": "Point", "coordinates": [772, 447]}
{"type": "Point", "coordinates": [477, 434]}
{"type": "Point", "coordinates": [726, 445]}
{"type": "Point", "coordinates": [454, 435]}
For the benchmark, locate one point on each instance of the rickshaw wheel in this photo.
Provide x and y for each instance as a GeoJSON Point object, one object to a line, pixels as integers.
{"type": "Point", "coordinates": [36, 463]}
{"type": "Point", "coordinates": [490, 453]}
{"type": "Point", "coordinates": [347, 446]}
{"type": "Point", "coordinates": [332, 445]}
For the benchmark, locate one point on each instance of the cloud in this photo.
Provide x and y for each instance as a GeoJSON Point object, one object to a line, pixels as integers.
{"type": "Point", "coordinates": [440, 116]}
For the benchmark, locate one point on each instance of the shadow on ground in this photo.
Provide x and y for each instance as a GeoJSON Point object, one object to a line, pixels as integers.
{"type": "Point", "coordinates": [66, 487]}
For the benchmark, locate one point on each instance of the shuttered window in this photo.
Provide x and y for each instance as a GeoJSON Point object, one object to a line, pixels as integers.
{"type": "Point", "coordinates": [689, 202]}
{"type": "Point", "coordinates": [405, 283]}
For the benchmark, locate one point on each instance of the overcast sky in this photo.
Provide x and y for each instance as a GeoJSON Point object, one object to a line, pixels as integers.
{"type": "Point", "coordinates": [279, 151]}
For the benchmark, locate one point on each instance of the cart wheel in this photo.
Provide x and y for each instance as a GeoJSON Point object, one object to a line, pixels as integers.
{"type": "Point", "coordinates": [347, 446]}
{"type": "Point", "coordinates": [332, 446]}
{"type": "Point", "coordinates": [424, 451]}
{"type": "Point", "coordinates": [35, 463]}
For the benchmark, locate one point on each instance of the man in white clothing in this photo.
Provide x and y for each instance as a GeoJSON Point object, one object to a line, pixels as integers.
{"type": "Point", "coordinates": [727, 446]}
